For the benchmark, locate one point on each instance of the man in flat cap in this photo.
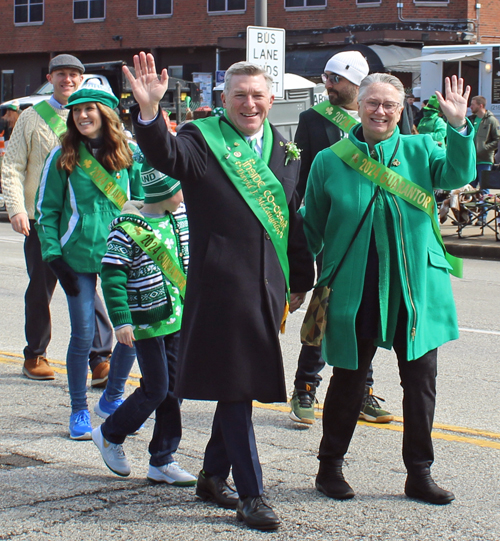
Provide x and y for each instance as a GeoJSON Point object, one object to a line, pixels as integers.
{"type": "Point", "coordinates": [320, 127]}
{"type": "Point", "coordinates": [36, 133]}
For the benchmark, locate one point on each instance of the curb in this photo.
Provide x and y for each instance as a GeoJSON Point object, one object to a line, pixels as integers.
{"type": "Point", "coordinates": [470, 250]}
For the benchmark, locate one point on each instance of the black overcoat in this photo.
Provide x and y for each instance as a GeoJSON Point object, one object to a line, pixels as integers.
{"type": "Point", "coordinates": [235, 292]}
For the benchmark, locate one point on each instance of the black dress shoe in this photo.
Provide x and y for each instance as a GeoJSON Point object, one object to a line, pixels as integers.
{"type": "Point", "coordinates": [256, 513]}
{"type": "Point", "coordinates": [215, 489]}
{"type": "Point", "coordinates": [423, 487]}
{"type": "Point", "coordinates": [330, 481]}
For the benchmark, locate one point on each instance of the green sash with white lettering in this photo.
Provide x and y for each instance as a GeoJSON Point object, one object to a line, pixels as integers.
{"type": "Point", "coordinates": [158, 252]}
{"type": "Point", "coordinates": [336, 115]}
{"type": "Point", "coordinates": [396, 184]}
{"type": "Point", "coordinates": [253, 179]}
{"type": "Point", "coordinates": [101, 178]}
{"type": "Point", "coordinates": [53, 120]}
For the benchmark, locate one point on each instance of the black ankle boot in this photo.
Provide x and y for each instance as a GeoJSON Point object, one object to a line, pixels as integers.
{"type": "Point", "coordinates": [423, 487]}
{"type": "Point", "coordinates": [330, 481]}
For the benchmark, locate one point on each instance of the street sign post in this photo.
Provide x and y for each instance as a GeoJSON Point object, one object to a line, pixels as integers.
{"type": "Point", "coordinates": [266, 48]}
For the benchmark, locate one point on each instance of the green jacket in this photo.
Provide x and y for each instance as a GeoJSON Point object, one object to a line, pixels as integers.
{"type": "Point", "coordinates": [434, 125]}
{"type": "Point", "coordinates": [73, 216]}
{"type": "Point", "coordinates": [335, 200]}
{"type": "Point", "coordinates": [486, 138]}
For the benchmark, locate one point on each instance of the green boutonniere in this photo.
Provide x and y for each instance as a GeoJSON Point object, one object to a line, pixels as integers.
{"type": "Point", "coordinates": [292, 151]}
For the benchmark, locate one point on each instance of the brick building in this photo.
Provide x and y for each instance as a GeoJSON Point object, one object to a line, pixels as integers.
{"type": "Point", "coordinates": [202, 35]}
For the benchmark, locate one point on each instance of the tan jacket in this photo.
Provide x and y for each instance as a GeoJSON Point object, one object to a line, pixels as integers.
{"type": "Point", "coordinates": [29, 144]}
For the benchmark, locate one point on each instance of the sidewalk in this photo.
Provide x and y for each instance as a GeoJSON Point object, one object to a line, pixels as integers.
{"type": "Point", "coordinates": [472, 244]}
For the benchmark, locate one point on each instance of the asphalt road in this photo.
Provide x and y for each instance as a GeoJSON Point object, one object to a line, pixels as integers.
{"type": "Point", "coordinates": [53, 488]}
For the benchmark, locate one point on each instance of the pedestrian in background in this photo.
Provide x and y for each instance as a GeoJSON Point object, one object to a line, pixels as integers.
{"type": "Point", "coordinates": [320, 127]}
{"type": "Point", "coordinates": [432, 123]}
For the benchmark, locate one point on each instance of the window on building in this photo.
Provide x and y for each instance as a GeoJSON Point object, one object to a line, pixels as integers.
{"type": "Point", "coordinates": [154, 7]}
{"type": "Point", "coordinates": [467, 69]}
{"type": "Point", "coordinates": [431, 1]}
{"type": "Point", "coordinates": [28, 11]}
{"type": "Point", "coordinates": [304, 3]}
{"type": "Point", "coordinates": [7, 88]}
{"type": "Point", "coordinates": [88, 9]}
{"type": "Point", "coordinates": [366, 2]}
{"type": "Point", "coordinates": [226, 5]}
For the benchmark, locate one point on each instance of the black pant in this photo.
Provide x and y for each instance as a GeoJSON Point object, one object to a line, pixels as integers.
{"type": "Point", "coordinates": [232, 444]}
{"type": "Point", "coordinates": [157, 358]}
{"type": "Point", "coordinates": [345, 395]}
{"type": "Point", "coordinates": [37, 313]}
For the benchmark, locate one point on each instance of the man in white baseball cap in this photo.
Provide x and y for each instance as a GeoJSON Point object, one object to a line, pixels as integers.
{"type": "Point", "coordinates": [320, 127]}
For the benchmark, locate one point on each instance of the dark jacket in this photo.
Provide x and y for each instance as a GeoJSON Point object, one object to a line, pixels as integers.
{"type": "Point", "coordinates": [236, 289]}
{"type": "Point", "coordinates": [487, 137]}
{"type": "Point", "coordinates": [314, 134]}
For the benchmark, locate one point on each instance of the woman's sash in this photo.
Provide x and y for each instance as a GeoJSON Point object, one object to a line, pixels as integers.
{"type": "Point", "coordinates": [101, 178]}
{"type": "Point", "coordinates": [397, 185]}
{"type": "Point", "coordinates": [336, 115]}
{"type": "Point", "coordinates": [158, 252]}
{"type": "Point", "coordinates": [255, 182]}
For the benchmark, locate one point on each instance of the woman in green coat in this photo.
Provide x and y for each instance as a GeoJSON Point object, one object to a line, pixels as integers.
{"type": "Point", "coordinates": [393, 288]}
{"type": "Point", "coordinates": [83, 186]}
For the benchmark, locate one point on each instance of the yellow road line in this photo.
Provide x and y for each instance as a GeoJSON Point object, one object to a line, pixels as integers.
{"type": "Point", "coordinates": [397, 426]}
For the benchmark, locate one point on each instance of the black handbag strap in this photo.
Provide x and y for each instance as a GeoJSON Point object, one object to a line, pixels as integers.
{"type": "Point", "coordinates": [360, 225]}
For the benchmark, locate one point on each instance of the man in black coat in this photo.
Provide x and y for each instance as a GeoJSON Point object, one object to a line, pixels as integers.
{"type": "Point", "coordinates": [237, 283]}
{"type": "Point", "coordinates": [320, 127]}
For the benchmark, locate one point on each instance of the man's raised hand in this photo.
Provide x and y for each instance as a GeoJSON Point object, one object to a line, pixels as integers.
{"type": "Point", "coordinates": [147, 88]}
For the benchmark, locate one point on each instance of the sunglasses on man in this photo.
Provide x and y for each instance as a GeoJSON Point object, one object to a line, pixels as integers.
{"type": "Point", "coordinates": [332, 77]}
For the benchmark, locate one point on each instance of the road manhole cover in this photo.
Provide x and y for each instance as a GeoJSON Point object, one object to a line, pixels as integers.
{"type": "Point", "coordinates": [18, 461]}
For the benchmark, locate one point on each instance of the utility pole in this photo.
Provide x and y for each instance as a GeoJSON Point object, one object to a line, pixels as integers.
{"type": "Point", "coordinates": [260, 12]}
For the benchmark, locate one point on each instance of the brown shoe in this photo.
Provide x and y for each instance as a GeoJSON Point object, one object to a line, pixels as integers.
{"type": "Point", "coordinates": [100, 374]}
{"type": "Point", "coordinates": [38, 368]}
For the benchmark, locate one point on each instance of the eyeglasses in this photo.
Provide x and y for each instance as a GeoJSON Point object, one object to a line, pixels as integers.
{"type": "Point", "coordinates": [389, 106]}
{"type": "Point", "coordinates": [332, 77]}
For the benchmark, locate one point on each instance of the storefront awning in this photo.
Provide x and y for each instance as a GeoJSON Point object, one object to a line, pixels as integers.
{"type": "Point", "coordinates": [380, 58]}
{"type": "Point", "coordinates": [446, 57]}
{"type": "Point", "coordinates": [395, 58]}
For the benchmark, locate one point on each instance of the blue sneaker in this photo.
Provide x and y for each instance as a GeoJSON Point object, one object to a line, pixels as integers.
{"type": "Point", "coordinates": [104, 409]}
{"type": "Point", "coordinates": [79, 426]}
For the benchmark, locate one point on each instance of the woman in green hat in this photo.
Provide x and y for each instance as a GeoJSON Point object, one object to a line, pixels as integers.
{"type": "Point", "coordinates": [83, 187]}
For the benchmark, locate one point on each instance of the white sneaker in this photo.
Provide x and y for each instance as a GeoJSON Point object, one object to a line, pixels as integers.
{"type": "Point", "coordinates": [112, 453]}
{"type": "Point", "coordinates": [172, 474]}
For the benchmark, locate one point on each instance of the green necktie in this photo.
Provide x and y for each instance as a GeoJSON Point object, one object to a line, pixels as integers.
{"type": "Point", "coordinates": [253, 144]}
{"type": "Point", "coordinates": [384, 258]}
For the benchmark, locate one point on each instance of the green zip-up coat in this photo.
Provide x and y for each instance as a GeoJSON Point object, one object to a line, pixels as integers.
{"type": "Point", "coordinates": [73, 215]}
{"type": "Point", "coordinates": [335, 200]}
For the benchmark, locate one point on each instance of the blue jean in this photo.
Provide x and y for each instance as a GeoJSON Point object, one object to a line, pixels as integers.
{"type": "Point", "coordinates": [157, 358]}
{"type": "Point", "coordinates": [82, 318]}
{"type": "Point", "coordinates": [480, 167]}
{"type": "Point", "coordinates": [120, 366]}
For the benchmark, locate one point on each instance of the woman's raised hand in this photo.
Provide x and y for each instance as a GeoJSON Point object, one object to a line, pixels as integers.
{"type": "Point", "coordinates": [148, 89]}
{"type": "Point", "coordinates": [454, 104]}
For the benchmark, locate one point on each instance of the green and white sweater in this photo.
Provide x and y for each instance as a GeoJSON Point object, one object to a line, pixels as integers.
{"type": "Point", "coordinates": [136, 291]}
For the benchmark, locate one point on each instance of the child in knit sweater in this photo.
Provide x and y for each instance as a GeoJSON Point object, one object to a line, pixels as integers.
{"type": "Point", "coordinates": [143, 281]}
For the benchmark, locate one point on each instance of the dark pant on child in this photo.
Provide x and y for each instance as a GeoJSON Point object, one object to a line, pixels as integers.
{"type": "Point", "coordinates": [157, 358]}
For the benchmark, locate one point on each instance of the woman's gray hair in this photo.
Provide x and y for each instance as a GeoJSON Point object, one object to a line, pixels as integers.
{"type": "Point", "coordinates": [382, 78]}
{"type": "Point", "coordinates": [246, 68]}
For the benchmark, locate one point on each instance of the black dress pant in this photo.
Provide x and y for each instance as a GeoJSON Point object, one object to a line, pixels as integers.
{"type": "Point", "coordinates": [345, 395]}
{"type": "Point", "coordinates": [232, 444]}
{"type": "Point", "coordinates": [37, 312]}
